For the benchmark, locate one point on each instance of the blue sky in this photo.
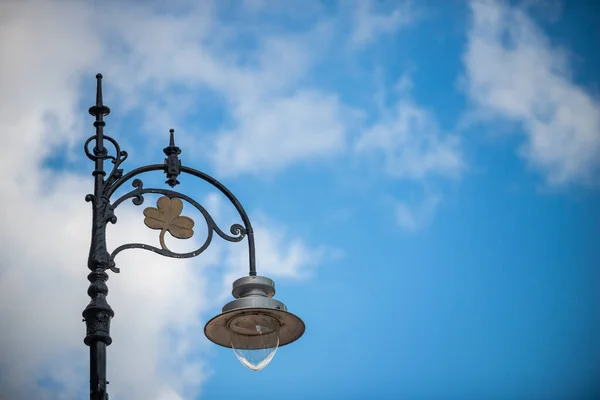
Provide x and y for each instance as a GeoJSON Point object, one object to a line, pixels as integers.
{"type": "Point", "coordinates": [422, 177]}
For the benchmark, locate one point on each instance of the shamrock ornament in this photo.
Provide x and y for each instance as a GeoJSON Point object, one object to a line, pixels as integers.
{"type": "Point", "coordinates": [166, 217]}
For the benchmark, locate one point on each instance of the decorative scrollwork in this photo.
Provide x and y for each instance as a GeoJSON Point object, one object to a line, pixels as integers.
{"type": "Point", "coordinates": [98, 154]}
{"type": "Point", "coordinates": [236, 229]}
{"type": "Point", "coordinates": [116, 172]}
{"type": "Point", "coordinates": [162, 217]}
{"type": "Point", "coordinates": [138, 199]}
{"type": "Point", "coordinates": [105, 188]}
{"type": "Point", "coordinates": [102, 154]}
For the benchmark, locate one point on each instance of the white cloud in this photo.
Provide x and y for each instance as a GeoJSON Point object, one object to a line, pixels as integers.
{"type": "Point", "coordinates": [409, 143]}
{"type": "Point", "coordinates": [270, 125]}
{"type": "Point", "coordinates": [416, 216]}
{"type": "Point", "coordinates": [275, 133]}
{"type": "Point", "coordinates": [274, 124]}
{"type": "Point", "coordinates": [160, 304]}
{"type": "Point", "coordinates": [514, 72]}
{"type": "Point", "coordinates": [370, 23]}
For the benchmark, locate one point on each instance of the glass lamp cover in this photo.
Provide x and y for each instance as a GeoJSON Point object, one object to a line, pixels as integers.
{"type": "Point", "coordinates": [254, 339]}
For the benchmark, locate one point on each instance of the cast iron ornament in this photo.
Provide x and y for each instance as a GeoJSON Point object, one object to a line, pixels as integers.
{"type": "Point", "coordinates": [253, 294]}
{"type": "Point", "coordinates": [166, 217]}
{"type": "Point", "coordinates": [98, 313]}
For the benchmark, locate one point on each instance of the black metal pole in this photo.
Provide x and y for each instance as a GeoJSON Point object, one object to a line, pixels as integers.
{"type": "Point", "coordinates": [98, 313]}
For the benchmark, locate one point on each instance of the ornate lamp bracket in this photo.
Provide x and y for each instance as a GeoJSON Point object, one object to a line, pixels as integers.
{"type": "Point", "coordinates": [167, 218]}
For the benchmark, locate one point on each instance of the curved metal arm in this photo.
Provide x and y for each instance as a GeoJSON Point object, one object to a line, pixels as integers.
{"type": "Point", "coordinates": [135, 172]}
{"type": "Point", "coordinates": [137, 195]}
{"type": "Point", "coordinates": [238, 207]}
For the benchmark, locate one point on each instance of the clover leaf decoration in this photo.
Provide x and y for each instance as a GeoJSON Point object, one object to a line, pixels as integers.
{"type": "Point", "coordinates": [166, 217]}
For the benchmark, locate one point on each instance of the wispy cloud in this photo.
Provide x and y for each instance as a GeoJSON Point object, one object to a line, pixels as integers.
{"type": "Point", "coordinates": [280, 131]}
{"type": "Point", "coordinates": [373, 19]}
{"type": "Point", "coordinates": [407, 141]}
{"type": "Point", "coordinates": [271, 124]}
{"type": "Point", "coordinates": [417, 215]}
{"type": "Point", "coordinates": [513, 71]}
{"type": "Point", "coordinates": [406, 144]}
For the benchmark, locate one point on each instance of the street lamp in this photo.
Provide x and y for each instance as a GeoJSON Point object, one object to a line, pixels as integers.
{"type": "Point", "coordinates": [254, 325]}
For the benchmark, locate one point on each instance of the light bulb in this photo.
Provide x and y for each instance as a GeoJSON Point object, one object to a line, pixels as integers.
{"type": "Point", "coordinates": [254, 339]}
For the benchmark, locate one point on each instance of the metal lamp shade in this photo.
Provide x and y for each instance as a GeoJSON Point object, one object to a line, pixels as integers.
{"type": "Point", "coordinates": [253, 306]}
{"type": "Point", "coordinates": [219, 330]}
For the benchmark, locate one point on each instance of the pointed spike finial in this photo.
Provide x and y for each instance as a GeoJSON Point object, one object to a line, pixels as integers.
{"type": "Point", "coordinates": [99, 90]}
{"type": "Point", "coordinates": [99, 110]}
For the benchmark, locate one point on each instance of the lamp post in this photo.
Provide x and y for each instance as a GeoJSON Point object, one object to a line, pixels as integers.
{"type": "Point", "coordinates": [254, 324]}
